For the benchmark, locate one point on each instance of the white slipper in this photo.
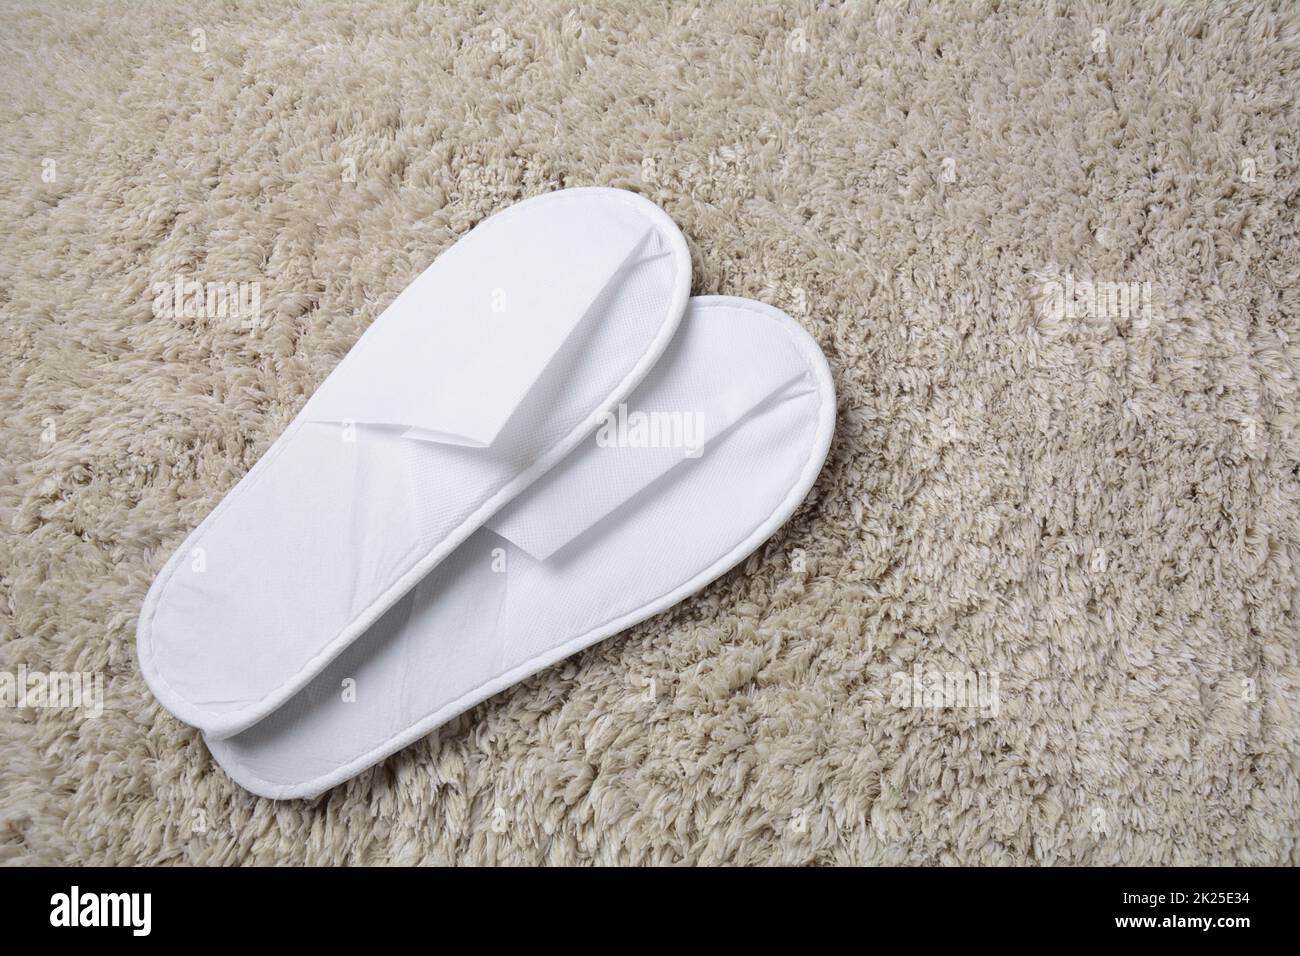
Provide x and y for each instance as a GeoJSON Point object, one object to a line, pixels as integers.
{"type": "Point", "coordinates": [483, 374]}
{"type": "Point", "coordinates": [742, 407]}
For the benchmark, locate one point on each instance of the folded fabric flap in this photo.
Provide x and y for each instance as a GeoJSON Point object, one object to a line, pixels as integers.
{"type": "Point", "coordinates": [460, 348]}
{"type": "Point", "coordinates": [632, 449]}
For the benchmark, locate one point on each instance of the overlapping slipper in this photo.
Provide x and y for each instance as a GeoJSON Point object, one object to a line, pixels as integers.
{"type": "Point", "coordinates": [710, 455]}
{"type": "Point", "coordinates": [484, 373]}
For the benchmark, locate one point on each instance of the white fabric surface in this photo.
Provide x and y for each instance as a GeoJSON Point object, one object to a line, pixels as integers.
{"type": "Point", "coordinates": [486, 371]}
{"type": "Point", "coordinates": [609, 537]}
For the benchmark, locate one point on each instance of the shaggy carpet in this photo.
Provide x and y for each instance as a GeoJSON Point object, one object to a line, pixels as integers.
{"type": "Point", "coordinates": [1049, 250]}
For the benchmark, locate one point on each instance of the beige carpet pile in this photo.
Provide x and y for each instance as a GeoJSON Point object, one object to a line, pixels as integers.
{"type": "Point", "coordinates": [1094, 513]}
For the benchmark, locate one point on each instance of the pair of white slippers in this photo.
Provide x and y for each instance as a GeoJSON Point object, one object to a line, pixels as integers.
{"type": "Point", "coordinates": [541, 442]}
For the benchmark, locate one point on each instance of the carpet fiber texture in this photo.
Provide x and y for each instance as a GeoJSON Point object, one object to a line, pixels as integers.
{"type": "Point", "coordinates": [1041, 606]}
